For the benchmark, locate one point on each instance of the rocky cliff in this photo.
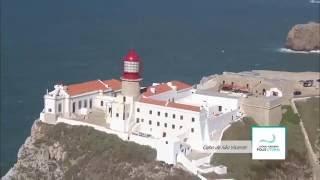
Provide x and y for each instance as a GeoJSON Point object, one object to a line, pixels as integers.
{"type": "Point", "coordinates": [77, 152]}
{"type": "Point", "coordinates": [304, 37]}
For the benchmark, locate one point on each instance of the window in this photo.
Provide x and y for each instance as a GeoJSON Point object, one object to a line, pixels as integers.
{"type": "Point", "coordinates": [173, 116]}
{"type": "Point", "coordinates": [158, 123]}
{"type": "Point", "coordinates": [74, 107]}
{"type": "Point", "coordinates": [181, 117]}
{"type": "Point", "coordinates": [150, 122]}
{"type": "Point", "coordinates": [90, 103]}
{"type": "Point", "coordinates": [101, 103]}
{"type": "Point", "coordinates": [164, 134]}
{"type": "Point", "coordinates": [220, 108]}
{"type": "Point", "coordinates": [59, 107]}
{"type": "Point", "coordinates": [158, 113]}
{"type": "Point", "coordinates": [117, 114]}
{"type": "Point", "coordinates": [165, 124]}
{"type": "Point", "coordinates": [173, 126]}
{"type": "Point", "coordinates": [150, 111]}
{"type": "Point", "coordinates": [166, 114]}
{"type": "Point", "coordinates": [166, 142]}
{"type": "Point", "coordinates": [131, 66]}
{"type": "Point", "coordinates": [85, 103]}
{"type": "Point", "coordinates": [192, 130]}
{"type": "Point", "coordinates": [142, 120]}
{"type": "Point", "coordinates": [137, 120]}
{"type": "Point", "coordinates": [79, 104]}
{"type": "Point", "coordinates": [180, 127]}
{"type": "Point", "coordinates": [192, 119]}
{"type": "Point", "coordinates": [124, 99]}
{"type": "Point", "coordinates": [50, 110]}
{"type": "Point", "coordinates": [138, 109]}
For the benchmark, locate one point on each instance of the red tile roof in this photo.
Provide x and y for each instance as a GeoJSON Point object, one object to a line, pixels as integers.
{"type": "Point", "coordinates": [164, 87]}
{"type": "Point", "coordinates": [153, 101]}
{"type": "Point", "coordinates": [114, 84]}
{"type": "Point", "coordinates": [170, 104]}
{"type": "Point", "coordinates": [90, 86]}
{"type": "Point", "coordinates": [180, 85]}
{"type": "Point", "coordinates": [184, 106]}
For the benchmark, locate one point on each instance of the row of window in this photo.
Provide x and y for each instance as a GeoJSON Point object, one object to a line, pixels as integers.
{"type": "Point", "coordinates": [85, 104]}
{"type": "Point", "coordinates": [166, 115]}
{"type": "Point", "coordinates": [173, 126]}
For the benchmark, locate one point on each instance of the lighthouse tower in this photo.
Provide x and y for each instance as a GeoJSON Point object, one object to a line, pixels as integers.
{"type": "Point", "coordinates": [123, 106]}
{"type": "Point", "coordinates": [131, 74]}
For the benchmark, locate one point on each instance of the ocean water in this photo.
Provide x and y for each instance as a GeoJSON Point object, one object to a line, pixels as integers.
{"type": "Point", "coordinates": [44, 42]}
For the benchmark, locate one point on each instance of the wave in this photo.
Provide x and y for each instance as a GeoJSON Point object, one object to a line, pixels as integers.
{"type": "Point", "coordinates": [314, 1]}
{"type": "Point", "coordinates": [285, 50]}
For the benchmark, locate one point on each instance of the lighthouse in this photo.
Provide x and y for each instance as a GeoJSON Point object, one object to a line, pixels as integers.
{"type": "Point", "coordinates": [131, 74]}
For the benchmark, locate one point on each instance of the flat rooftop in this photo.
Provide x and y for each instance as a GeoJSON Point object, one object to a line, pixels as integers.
{"type": "Point", "coordinates": [95, 117]}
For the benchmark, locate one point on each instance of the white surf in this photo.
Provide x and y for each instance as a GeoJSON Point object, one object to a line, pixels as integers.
{"type": "Point", "coordinates": [285, 50]}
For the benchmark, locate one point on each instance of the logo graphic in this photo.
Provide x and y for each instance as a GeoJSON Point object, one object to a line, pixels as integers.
{"type": "Point", "coordinates": [268, 142]}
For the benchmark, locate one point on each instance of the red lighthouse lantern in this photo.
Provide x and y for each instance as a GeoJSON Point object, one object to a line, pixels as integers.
{"type": "Point", "coordinates": [131, 66]}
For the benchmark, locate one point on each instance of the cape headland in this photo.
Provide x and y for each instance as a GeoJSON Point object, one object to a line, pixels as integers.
{"type": "Point", "coordinates": [304, 37]}
{"type": "Point", "coordinates": [78, 152]}
{"type": "Point", "coordinates": [83, 148]}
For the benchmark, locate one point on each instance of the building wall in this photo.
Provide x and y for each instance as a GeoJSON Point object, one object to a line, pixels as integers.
{"type": "Point", "coordinates": [122, 113]}
{"type": "Point", "coordinates": [130, 88]}
{"type": "Point", "coordinates": [275, 115]}
{"type": "Point", "coordinates": [178, 121]}
{"type": "Point", "coordinates": [221, 121]}
{"type": "Point", "coordinates": [79, 102]}
{"type": "Point", "coordinates": [264, 116]}
{"type": "Point", "coordinates": [168, 150]}
{"type": "Point", "coordinates": [49, 105]}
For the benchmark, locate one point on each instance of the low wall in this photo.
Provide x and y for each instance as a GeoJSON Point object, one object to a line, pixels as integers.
{"type": "Point", "coordinates": [144, 141]}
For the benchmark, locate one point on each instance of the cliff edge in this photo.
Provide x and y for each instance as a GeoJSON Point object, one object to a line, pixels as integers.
{"type": "Point", "coordinates": [78, 152]}
{"type": "Point", "coordinates": [304, 37]}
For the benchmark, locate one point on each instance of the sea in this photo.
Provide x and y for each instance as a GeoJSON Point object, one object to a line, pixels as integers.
{"type": "Point", "coordinates": [45, 42]}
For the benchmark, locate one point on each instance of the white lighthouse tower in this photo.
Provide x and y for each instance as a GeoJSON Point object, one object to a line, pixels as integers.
{"type": "Point", "coordinates": [123, 107]}
{"type": "Point", "coordinates": [131, 74]}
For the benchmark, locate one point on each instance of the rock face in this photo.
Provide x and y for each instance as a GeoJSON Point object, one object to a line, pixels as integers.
{"type": "Point", "coordinates": [304, 37]}
{"type": "Point", "coordinates": [76, 152]}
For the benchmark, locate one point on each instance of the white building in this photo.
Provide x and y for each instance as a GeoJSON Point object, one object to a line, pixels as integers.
{"type": "Point", "coordinates": [173, 117]}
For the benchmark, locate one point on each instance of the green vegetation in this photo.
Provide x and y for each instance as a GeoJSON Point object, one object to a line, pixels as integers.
{"type": "Point", "coordinates": [241, 166]}
{"type": "Point", "coordinates": [310, 115]}
{"type": "Point", "coordinates": [85, 140]}
{"type": "Point", "coordinates": [91, 154]}
{"type": "Point", "coordinates": [295, 138]}
{"type": "Point", "coordinates": [94, 152]}
{"type": "Point", "coordinates": [238, 164]}
{"type": "Point", "coordinates": [289, 117]}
